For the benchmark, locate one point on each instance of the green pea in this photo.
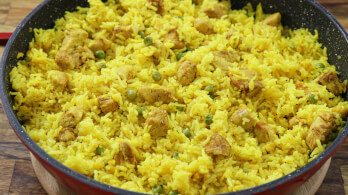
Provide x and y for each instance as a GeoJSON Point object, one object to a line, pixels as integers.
{"type": "Point", "coordinates": [320, 65]}
{"type": "Point", "coordinates": [312, 99]}
{"type": "Point", "coordinates": [209, 119]}
{"type": "Point", "coordinates": [246, 170]}
{"type": "Point", "coordinates": [142, 34]}
{"type": "Point", "coordinates": [156, 76]}
{"type": "Point", "coordinates": [102, 65]}
{"type": "Point", "coordinates": [189, 49]}
{"type": "Point", "coordinates": [140, 111]}
{"type": "Point", "coordinates": [100, 54]}
{"type": "Point", "coordinates": [212, 96]}
{"type": "Point", "coordinates": [179, 17]}
{"type": "Point", "coordinates": [131, 94]}
{"type": "Point", "coordinates": [148, 41]}
{"type": "Point", "coordinates": [333, 136]}
{"type": "Point", "coordinates": [180, 55]}
{"type": "Point", "coordinates": [176, 155]}
{"type": "Point", "coordinates": [187, 133]}
{"type": "Point", "coordinates": [180, 108]}
{"type": "Point", "coordinates": [157, 189]}
{"type": "Point", "coordinates": [99, 150]}
{"type": "Point", "coordinates": [173, 192]}
{"type": "Point", "coordinates": [209, 88]}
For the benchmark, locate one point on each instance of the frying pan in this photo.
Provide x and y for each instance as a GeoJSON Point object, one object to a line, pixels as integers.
{"type": "Point", "coordinates": [295, 14]}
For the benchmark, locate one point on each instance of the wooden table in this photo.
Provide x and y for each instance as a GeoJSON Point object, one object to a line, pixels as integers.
{"type": "Point", "coordinates": [16, 172]}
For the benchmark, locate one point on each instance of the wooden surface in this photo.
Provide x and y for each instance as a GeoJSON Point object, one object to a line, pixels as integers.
{"type": "Point", "coordinates": [16, 173]}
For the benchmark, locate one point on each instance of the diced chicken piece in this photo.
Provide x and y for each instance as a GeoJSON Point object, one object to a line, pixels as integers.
{"type": "Point", "coordinates": [71, 117]}
{"type": "Point", "coordinates": [273, 20]}
{"type": "Point", "coordinates": [162, 52]}
{"type": "Point", "coordinates": [72, 53]}
{"type": "Point", "coordinates": [159, 5]}
{"type": "Point", "coordinates": [300, 86]}
{"type": "Point", "coordinates": [126, 72]}
{"type": "Point", "coordinates": [243, 83]}
{"type": "Point", "coordinates": [74, 38]}
{"type": "Point", "coordinates": [67, 59]}
{"type": "Point", "coordinates": [152, 95]}
{"type": "Point", "coordinates": [264, 133]}
{"type": "Point", "coordinates": [203, 25]}
{"type": "Point", "coordinates": [158, 120]}
{"type": "Point", "coordinates": [217, 11]}
{"type": "Point", "coordinates": [218, 145]}
{"type": "Point", "coordinates": [100, 44]}
{"type": "Point", "coordinates": [243, 118]}
{"type": "Point", "coordinates": [187, 73]}
{"type": "Point", "coordinates": [126, 154]}
{"type": "Point", "coordinates": [107, 104]}
{"type": "Point", "coordinates": [332, 83]}
{"type": "Point", "coordinates": [173, 36]}
{"type": "Point", "coordinates": [122, 31]}
{"type": "Point", "coordinates": [342, 109]}
{"type": "Point", "coordinates": [67, 134]}
{"type": "Point", "coordinates": [224, 60]}
{"type": "Point", "coordinates": [59, 79]}
{"type": "Point", "coordinates": [85, 54]}
{"type": "Point", "coordinates": [320, 129]}
{"type": "Point", "coordinates": [295, 121]}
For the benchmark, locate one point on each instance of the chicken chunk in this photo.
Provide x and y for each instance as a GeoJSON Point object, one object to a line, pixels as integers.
{"type": "Point", "coordinates": [126, 72]}
{"type": "Point", "coordinates": [300, 86]}
{"type": "Point", "coordinates": [67, 59]}
{"type": "Point", "coordinates": [264, 133]}
{"type": "Point", "coordinates": [159, 5]}
{"type": "Point", "coordinates": [173, 36]}
{"type": "Point", "coordinates": [152, 95]}
{"type": "Point", "coordinates": [273, 20]}
{"type": "Point", "coordinates": [67, 134]}
{"type": "Point", "coordinates": [218, 145]}
{"type": "Point", "coordinates": [71, 117]}
{"type": "Point", "coordinates": [243, 118]}
{"type": "Point", "coordinates": [332, 83]}
{"type": "Point", "coordinates": [73, 53]}
{"type": "Point", "coordinates": [203, 25]}
{"type": "Point", "coordinates": [100, 44]}
{"type": "Point", "coordinates": [320, 129]}
{"type": "Point", "coordinates": [243, 83]}
{"type": "Point", "coordinates": [107, 104]}
{"type": "Point", "coordinates": [187, 72]}
{"type": "Point", "coordinates": [158, 122]}
{"type": "Point", "coordinates": [161, 52]}
{"type": "Point", "coordinates": [295, 121]}
{"type": "Point", "coordinates": [224, 60]}
{"type": "Point", "coordinates": [122, 31]}
{"type": "Point", "coordinates": [59, 79]}
{"type": "Point", "coordinates": [126, 154]}
{"type": "Point", "coordinates": [342, 109]}
{"type": "Point", "coordinates": [217, 11]}
{"type": "Point", "coordinates": [74, 38]}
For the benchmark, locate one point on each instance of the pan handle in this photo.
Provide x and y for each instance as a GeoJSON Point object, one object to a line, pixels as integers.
{"type": "Point", "coordinates": [4, 37]}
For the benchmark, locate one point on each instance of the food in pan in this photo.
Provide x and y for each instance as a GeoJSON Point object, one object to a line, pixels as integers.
{"type": "Point", "coordinates": [178, 97]}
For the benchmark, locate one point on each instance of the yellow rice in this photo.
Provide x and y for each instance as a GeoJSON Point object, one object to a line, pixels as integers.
{"type": "Point", "coordinates": [279, 60]}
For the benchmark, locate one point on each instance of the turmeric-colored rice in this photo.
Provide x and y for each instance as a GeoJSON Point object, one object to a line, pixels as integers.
{"type": "Point", "coordinates": [289, 64]}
